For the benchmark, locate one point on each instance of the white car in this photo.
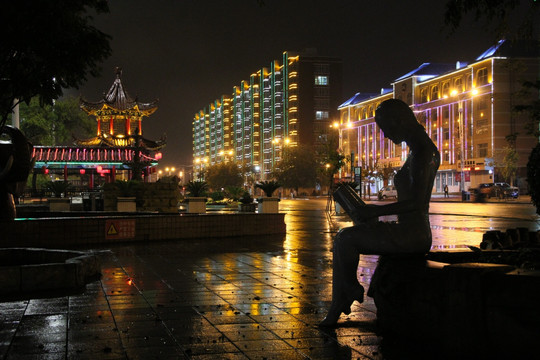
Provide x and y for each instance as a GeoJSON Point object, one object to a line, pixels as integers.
{"type": "Point", "coordinates": [387, 192]}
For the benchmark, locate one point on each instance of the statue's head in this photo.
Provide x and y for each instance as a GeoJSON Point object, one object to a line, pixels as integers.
{"type": "Point", "coordinates": [396, 119]}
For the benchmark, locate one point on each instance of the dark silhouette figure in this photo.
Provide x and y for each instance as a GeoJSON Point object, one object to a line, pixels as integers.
{"type": "Point", "coordinates": [411, 233]}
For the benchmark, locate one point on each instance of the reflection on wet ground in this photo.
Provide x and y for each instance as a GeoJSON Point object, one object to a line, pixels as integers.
{"type": "Point", "coordinates": [256, 298]}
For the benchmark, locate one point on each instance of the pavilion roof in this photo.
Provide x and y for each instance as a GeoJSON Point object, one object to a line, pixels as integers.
{"type": "Point", "coordinates": [121, 141]}
{"type": "Point", "coordinates": [118, 99]}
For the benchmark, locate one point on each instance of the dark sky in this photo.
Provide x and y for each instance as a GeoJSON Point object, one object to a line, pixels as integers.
{"type": "Point", "coordinates": [188, 53]}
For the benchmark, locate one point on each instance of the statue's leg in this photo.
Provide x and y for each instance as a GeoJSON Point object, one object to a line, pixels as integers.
{"type": "Point", "coordinates": [345, 286]}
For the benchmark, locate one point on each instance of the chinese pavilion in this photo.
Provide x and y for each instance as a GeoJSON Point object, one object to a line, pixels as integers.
{"type": "Point", "coordinates": [118, 147]}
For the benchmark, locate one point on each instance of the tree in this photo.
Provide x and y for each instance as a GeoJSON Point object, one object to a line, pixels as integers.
{"type": "Point", "coordinates": [46, 47]}
{"type": "Point", "coordinates": [298, 168]}
{"type": "Point", "coordinates": [223, 175]}
{"type": "Point", "coordinates": [332, 159]}
{"type": "Point", "coordinates": [533, 177]}
{"type": "Point", "coordinates": [57, 124]}
{"type": "Point", "coordinates": [509, 165]}
{"type": "Point", "coordinates": [502, 17]}
{"type": "Point", "coordinates": [383, 172]}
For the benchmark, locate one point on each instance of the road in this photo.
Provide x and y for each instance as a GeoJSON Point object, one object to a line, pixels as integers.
{"type": "Point", "coordinates": [454, 224]}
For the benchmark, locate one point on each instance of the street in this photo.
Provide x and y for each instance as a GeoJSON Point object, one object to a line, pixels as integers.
{"type": "Point", "coordinates": [454, 224]}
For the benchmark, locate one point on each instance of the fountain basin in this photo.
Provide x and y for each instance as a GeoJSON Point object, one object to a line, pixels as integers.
{"type": "Point", "coordinates": [29, 270]}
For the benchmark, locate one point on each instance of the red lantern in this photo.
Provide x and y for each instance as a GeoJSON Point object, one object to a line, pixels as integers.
{"type": "Point", "coordinates": [45, 170]}
{"type": "Point", "coordinates": [82, 171]}
{"type": "Point", "coordinates": [159, 156]}
{"type": "Point", "coordinates": [99, 169]}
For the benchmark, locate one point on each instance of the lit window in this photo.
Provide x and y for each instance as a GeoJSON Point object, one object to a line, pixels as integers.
{"type": "Point", "coordinates": [482, 77]}
{"type": "Point", "coordinates": [320, 115]}
{"type": "Point", "coordinates": [435, 92]}
{"type": "Point", "coordinates": [423, 95]}
{"type": "Point", "coordinates": [321, 80]}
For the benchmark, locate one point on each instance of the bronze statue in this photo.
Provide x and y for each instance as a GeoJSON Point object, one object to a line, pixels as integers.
{"type": "Point", "coordinates": [411, 233]}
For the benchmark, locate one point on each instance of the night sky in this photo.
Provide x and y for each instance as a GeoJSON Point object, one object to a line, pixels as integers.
{"type": "Point", "coordinates": [188, 53]}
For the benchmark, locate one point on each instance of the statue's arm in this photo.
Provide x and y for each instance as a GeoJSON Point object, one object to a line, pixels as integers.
{"type": "Point", "coordinates": [422, 170]}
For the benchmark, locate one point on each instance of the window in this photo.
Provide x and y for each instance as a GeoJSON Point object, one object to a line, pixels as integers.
{"type": "Point", "coordinates": [468, 83]}
{"type": "Point", "coordinates": [446, 89]}
{"type": "Point", "coordinates": [482, 103]}
{"type": "Point", "coordinates": [320, 115]}
{"type": "Point", "coordinates": [322, 91]}
{"type": "Point", "coordinates": [321, 80]}
{"type": "Point", "coordinates": [321, 68]}
{"type": "Point", "coordinates": [483, 150]}
{"type": "Point", "coordinates": [322, 103]}
{"type": "Point", "coordinates": [434, 92]}
{"type": "Point", "coordinates": [458, 85]}
{"type": "Point", "coordinates": [482, 77]}
{"type": "Point", "coordinates": [423, 95]}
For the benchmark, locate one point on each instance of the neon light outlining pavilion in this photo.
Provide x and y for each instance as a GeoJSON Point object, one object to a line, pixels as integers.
{"type": "Point", "coordinates": [118, 145]}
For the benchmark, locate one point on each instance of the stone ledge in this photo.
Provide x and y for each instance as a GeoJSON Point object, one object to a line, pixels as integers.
{"type": "Point", "coordinates": [30, 270]}
{"type": "Point", "coordinates": [86, 231]}
{"type": "Point", "coordinates": [472, 309]}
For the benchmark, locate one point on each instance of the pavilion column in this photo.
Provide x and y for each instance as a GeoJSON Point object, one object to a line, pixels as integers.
{"type": "Point", "coordinates": [113, 173]}
{"type": "Point", "coordinates": [111, 126]}
{"type": "Point", "coordinates": [140, 126]}
{"type": "Point", "coordinates": [65, 172]}
{"type": "Point", "coordinates": [91, 181]}
{"type": "Point", "coordinates": [128, 126]}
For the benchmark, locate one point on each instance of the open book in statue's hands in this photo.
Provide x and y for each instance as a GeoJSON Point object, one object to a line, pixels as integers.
{"type": "Point", "coordinates": [351, 202]}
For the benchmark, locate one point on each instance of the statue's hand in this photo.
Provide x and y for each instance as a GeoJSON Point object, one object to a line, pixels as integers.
{"type": "Point", "coordinates": [364, 214]}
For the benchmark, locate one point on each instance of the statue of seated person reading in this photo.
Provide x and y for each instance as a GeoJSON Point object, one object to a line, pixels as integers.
{"type": "Point", "coordinates": [411, 234]}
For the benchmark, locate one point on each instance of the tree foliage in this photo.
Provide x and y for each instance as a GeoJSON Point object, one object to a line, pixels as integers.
{"type": "Point", "coordinates": [332, 159]}
{"type": "Point", "coordinates": [532, 108]}
{"type": "Point", "coordinates": [501, 17]}
{"type": "Point", "coordinates": [298, 168]}
{"type": "Point", "coordinates": [57, 124]}
{"type": "Point", "coordinates": [223, 175]}
{"type": "Point", "coordinates": [533, 177]}
{"type": "Point", "coordinates": [48, 46]}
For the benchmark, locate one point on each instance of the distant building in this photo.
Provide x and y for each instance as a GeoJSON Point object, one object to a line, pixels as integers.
{"type": "Point", "coordinates": [467, 110]}
{"type": "Point", "coordinates": [289, 103]}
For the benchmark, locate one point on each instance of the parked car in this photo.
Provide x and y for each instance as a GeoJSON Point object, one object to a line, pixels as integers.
{"type": "Point", "coordinates": [386, 192]}
{"type": "Point", "coordinates": [499, 189]}
{"type": "Point", "coordinates": [488, 190]}
{"type": "Point", "coordinates": [507, 190]}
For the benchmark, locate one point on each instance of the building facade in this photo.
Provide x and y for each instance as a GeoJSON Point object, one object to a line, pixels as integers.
{"type": "Point", "coordinates": [466, 109]}
{"type": "Point", "coordinates": [288, 103]}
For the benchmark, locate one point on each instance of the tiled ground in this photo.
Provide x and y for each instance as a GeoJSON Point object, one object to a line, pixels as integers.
{"type": "Point", "coordinates": [207, 299]}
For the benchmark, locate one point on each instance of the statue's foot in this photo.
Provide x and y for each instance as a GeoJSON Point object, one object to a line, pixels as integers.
{"type": "Point", "coordinates": [342, 305]}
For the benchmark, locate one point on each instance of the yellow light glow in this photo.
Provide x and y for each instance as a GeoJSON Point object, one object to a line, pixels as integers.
{"type": "Point", "coordinates": [454, 92]}
{"type": "Point", "coordinates": [474, 92]}
{"type": "Point", "coordinates": [336, 124]}
{"type": "Point", "coordinates": [349, 125]}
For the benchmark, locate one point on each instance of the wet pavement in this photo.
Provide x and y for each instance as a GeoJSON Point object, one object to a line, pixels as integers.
{"type": "Point", "coordinates": [246, 298]}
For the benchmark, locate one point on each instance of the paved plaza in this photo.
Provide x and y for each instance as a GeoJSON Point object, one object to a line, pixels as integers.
{"type": "Point", "coordinates": [243, 298]}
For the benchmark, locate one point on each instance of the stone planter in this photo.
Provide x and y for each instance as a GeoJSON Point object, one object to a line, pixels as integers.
{"type": "Point", "coordinates": [126, 204]}
{"type": "Point", "coordinates": [59, 204]}
{"type": "Point", "coordinates": [196, 205]}
{"type": "Point", "coordinates": [268, 205]}
{"type": "Point", "coordinates": [247, 207]}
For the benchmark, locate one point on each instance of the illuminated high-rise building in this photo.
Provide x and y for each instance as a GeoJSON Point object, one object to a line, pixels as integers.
{"type": "Point", "coordinates": [286, 104]}
{"type": "Point", "coordinates": [468, 110]}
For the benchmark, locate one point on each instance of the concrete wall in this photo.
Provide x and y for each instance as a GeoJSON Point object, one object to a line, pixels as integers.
{"type": "Point", "coordinates": [72, 232]}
